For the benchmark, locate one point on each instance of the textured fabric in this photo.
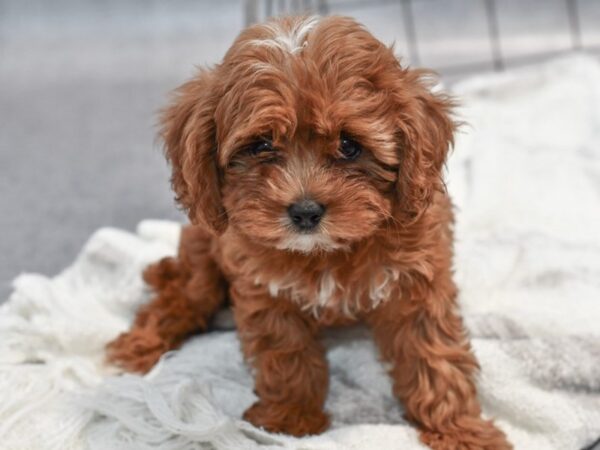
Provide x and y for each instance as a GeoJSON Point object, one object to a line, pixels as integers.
{"type": "Point", "coordinates": [525, 176]}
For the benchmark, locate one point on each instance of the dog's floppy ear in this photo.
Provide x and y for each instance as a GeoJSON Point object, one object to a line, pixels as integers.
{"type": "Point", "coordinates": [426, 135]}
{"type": "Point", "coordinates": [188, 131]}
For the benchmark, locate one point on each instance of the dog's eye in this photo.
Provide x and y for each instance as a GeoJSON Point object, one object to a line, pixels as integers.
{"type": "Point", "coordinates": [349, 148]}
{"type": "Point", "coordinates": [259, 147]}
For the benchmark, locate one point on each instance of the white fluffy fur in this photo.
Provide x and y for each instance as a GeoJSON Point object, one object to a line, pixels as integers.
{"type": "Point", "coordinates": [326, 289]}
{"type": "Point", "coordinates": [291, 41]}
{"type": "Point", "coordinates": [381, 285]}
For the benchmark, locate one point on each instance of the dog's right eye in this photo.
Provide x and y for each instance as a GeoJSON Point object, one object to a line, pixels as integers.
{"type": "Point", "coordinates": [258, 147]}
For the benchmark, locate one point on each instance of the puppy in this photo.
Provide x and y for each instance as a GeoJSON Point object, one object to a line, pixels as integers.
{"type": "Point", "coordinates": [310, 163]}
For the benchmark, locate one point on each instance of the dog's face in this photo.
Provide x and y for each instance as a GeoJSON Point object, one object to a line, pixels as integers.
{"type": "Point", "coordinates": [309, 136]}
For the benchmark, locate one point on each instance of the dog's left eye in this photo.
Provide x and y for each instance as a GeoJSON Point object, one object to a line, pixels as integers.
{"type": "Point", "coordinates": [349, 148]}
{"type": "Point", "coordinates": [259, 147]}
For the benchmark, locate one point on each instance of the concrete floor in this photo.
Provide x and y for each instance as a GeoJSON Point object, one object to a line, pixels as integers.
{"type": "Point", "coordinates": [81, 81]}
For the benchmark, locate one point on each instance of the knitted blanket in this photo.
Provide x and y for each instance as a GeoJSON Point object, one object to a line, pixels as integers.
{"type": "Point", "coordinates": [525, 176]}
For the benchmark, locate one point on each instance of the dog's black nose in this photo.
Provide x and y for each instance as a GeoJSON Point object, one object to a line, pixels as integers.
{"type": "Point", "coordinates": [306, 214]}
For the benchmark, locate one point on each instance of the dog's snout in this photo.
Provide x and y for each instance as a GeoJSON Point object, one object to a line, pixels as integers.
{"type": "Point", "coordinates": [306, 214]}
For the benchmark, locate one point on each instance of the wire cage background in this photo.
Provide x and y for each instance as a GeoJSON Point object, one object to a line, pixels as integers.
{"type": "Point", "coordinates": [475, 34]}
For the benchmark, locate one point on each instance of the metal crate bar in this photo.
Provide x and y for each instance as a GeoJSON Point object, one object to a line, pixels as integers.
{"type": "Point", "coordinates": [258, 10]}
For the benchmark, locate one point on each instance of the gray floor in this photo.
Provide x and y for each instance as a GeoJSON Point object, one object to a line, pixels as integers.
{"type": "Point", "coordinates": [80, 83]}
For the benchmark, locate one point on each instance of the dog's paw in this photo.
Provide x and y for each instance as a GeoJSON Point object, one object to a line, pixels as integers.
{"type": "Point", "coordinates": [136, 351]}
{"type": "Point", "coordinates": [478, 435]}
{"type": "Point", "coordinates": [287, 419]}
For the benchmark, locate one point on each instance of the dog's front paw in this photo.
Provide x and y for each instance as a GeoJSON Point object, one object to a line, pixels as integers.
{"type": "Point", "coordinates": [137, 350]}
{"type": "Point", "coordinates": [288, 419]}
{"type": "Point", "coordinates": [475, 434]}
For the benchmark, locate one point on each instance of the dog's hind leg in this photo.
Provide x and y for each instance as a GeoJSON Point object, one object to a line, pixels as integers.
{"type": "Point", "coordinates": [189, 291]}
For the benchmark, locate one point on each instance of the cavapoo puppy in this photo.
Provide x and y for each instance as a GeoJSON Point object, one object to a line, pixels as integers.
{"type": "Point", "coordinates": [310, 163]}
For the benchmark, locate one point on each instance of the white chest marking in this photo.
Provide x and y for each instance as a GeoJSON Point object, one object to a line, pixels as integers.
{"type": "Point", "coordinates": [329, 294]}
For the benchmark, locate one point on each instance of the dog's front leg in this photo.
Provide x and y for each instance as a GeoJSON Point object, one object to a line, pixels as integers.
{"type": "Point", "coordinates": [291, 370]}
{"type": "Point", "coordinates": [433, 367]}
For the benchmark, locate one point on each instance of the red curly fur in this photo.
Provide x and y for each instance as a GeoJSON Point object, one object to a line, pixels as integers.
{"type": "Point", "coordinates": [383, 250]}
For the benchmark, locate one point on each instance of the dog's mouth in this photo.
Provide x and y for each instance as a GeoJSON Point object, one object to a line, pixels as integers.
{"type": "Point", "coordinates": [308, 242]}
{"type": "Point", "coordinates": [306, 230]}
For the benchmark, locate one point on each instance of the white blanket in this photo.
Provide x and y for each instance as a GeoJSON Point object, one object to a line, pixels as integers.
{"type": "Point", "coordinates": [525, 176]}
